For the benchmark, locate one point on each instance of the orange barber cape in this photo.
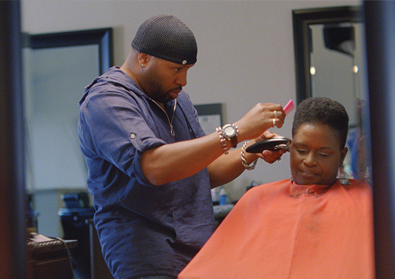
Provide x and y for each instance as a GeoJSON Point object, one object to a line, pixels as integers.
{"type": "Point", "coordinates": [283, 230]}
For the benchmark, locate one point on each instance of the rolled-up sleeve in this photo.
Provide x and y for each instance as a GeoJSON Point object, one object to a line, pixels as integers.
{"type": "Point", "coordinates": [113, 127]}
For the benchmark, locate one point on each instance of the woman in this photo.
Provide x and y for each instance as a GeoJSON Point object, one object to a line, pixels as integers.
{"type": "Point", "coordinates": [313, 225]}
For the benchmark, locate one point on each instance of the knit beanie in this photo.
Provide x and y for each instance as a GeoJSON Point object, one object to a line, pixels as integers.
{"type": "Point", "coordinates": [168, 38]}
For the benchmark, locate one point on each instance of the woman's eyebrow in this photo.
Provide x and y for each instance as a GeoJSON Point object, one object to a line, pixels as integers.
{"type": "Point", "coordinates": [298, 144]}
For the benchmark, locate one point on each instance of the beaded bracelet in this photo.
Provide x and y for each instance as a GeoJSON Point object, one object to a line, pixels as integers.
{"type": "Point", "coordinates": [243, 159]}
{"type": "Point", "coordinates": [223, 140]}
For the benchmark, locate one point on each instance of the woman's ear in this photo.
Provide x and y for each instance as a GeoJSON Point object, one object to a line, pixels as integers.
{"type": "Point", "coordinates": [343, 155]}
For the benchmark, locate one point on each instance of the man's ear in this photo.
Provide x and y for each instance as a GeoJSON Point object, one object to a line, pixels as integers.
{"type": "Point", "coordinates": [143, 59]}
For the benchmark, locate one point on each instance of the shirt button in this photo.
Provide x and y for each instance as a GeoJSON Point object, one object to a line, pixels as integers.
{"type": "Point", "coordinates": [132, 136]}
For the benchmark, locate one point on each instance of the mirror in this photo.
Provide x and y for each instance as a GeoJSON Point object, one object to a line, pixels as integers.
{"type": "Point", "coordinates": [57, 67]}
{"type": "Point", "coordinates": [329, 48]}
{"type": "Point", "coordinates": [310, 22]}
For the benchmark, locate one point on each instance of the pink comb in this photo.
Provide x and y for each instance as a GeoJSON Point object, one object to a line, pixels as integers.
{"type": "Point", "coordinates": [289, 106]}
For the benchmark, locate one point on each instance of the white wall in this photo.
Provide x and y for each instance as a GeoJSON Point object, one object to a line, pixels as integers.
{"type": "Point", "coordinates": [245, 51]}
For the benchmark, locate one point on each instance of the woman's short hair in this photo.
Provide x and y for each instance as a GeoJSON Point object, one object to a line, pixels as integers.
{"type": "Point", "coordinates": [321, 110]}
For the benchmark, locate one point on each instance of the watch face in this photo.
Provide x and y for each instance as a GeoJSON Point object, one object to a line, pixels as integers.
{"type": "Point", "coordinates": [229, 131]}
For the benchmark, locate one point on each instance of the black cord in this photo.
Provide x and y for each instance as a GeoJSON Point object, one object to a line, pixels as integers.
{"type": "Point", "coordinates": [68, 253]}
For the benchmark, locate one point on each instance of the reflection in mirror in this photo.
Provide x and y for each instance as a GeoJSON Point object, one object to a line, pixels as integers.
{"type": "Point", "coordinates": [328, 58]}
{"type": "Point", "coordinates": [335, 64]}
{"type": "Point", "coordinates": [303, 22]}
{"type": "Point", "coordinates": [57, 67]}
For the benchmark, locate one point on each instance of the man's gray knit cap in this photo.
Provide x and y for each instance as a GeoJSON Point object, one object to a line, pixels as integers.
{"type": "Point", "coordinates": [168, 38]}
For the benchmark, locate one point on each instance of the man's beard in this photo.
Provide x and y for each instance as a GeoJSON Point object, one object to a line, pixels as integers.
{"type": "Point", "coordinates": [159, 95]}
{"type": "Point", "coordinates": [156, 91]}
{"type": "Point", "coordinates": [162, 97]}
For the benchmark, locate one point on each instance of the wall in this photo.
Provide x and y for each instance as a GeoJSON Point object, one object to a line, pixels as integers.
{"type": "Point", "coordinates": [245, 51]}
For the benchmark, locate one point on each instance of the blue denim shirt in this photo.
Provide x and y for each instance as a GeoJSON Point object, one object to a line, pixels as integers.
{"type": "Point", "coordinates": [143, 229]}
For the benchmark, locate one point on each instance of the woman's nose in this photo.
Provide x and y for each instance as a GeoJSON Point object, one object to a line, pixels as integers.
{"type": "Point", "coordinates": [310, 159]}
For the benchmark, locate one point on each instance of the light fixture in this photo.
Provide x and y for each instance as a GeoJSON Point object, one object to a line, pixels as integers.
{"type": "Point", "coordinates": [312, 70]}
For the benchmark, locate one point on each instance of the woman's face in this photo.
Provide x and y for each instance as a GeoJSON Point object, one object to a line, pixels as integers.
{"type": "Point", "coordinates": [316, 155]}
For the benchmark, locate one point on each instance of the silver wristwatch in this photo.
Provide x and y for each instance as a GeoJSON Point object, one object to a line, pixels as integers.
{"type": "Point", "coordinates": [230, 132]}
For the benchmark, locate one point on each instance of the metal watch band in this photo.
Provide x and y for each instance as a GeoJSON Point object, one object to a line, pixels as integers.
{"type": "Point", "coordinates": [225, 147]}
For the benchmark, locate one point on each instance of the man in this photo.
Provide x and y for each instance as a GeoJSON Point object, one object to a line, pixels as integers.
{"type": "Point", "coordinates": [151, 167]}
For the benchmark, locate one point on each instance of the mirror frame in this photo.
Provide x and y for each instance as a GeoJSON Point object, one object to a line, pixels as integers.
{"type": "Point", "coordinates": [101, 37]}
{"type": "Point", "coordinates": [302, 38]}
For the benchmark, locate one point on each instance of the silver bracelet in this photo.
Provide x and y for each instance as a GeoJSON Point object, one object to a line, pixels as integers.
{"type": "Point", "coordinates": [223, 141]}
{"type": "Point", "coordinates": [243, 159]}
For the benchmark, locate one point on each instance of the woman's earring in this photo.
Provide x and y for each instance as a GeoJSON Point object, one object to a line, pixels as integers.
{"type": "Point", "coordinates": [343, 177]}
